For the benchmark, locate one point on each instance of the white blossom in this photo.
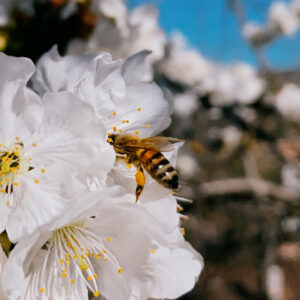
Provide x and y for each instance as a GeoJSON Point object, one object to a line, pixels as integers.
{"type": "Point", "coordinates": [185, 104]}
{"type": "Point", "coordinates": [122, 100]}
{"type": "Point", "coordinates": [284, 17]}
{"type": "Point", "coordinates": [288, 102]}
{"type": "Point", "coordinates": [228, 84]}
{"type": "Point", "coordinates": [3, 259]}
{"type": "Point", "coordinates": [45, 156]}
{"type": "Point", "coordinates": [184, 65]}
{"type": "Point", "coordinates": [106, 249]}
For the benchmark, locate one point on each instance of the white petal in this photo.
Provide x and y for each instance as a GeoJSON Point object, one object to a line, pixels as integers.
{"type": "Point", "coordinates": [175, 271]}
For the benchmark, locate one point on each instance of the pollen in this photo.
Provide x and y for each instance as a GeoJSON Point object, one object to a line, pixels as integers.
{"type": "Point", "coordinates": [105, 258]}
{"type": "Point", "coordinates": [120, 130]}
{"type": "Point", "coordinates": [43, 170]}
{"type": "Point", "coordinates": [63, 275]}
{"type": "Point", "coordinates": [42, 290]}
{"type": "Point", "coordinates": [109, 239]}
{"type": "Point", "coordinates": [129, 166]}
{"type": "Point", "coordinates": [137, 132]}
{"type": "Point", "coordinates": [72, 281]}
{"type": "Point", "coordinates": [153, 251]}
{"type": "Point", "coordinates": [109, 140]}
{"type": "Point", "coordinates": [147, 125]}
{"type": "Point", "coordinates": [97, 293]}
{"type": "Point", "coordinates": [95, 276]}
{"type": "Point", "coordinates": [139, 109]}
{"type": "Point", "coordinates": [90, 278]}
{"type": "Point", "coordinates": [61, 261]}
{"type": "Point", "coordinates": [36, 181]}
{"type": "Point", "coordinates": [16, 183]}
{"type": "Point", "coordinates": [6, 179]}
{"type": "Point", "coordinates": [34, 144]}
{"type": "Point", "coordinates": [98, 255]}
{"type": "Point", "coordinates": [182, 230]}
{"type": "Point", "coordinates": [114, 128]}
{"type": "Point", "coordinates": [114, 113]}
{"type": "Point", "coordinates": [7, 203]}
{"type": "Point", "coordinates": [120, 271]}
{"type": "Point", "coordinates": [17, 138]}
{"type": "Point", "coordinates": [3, 191]}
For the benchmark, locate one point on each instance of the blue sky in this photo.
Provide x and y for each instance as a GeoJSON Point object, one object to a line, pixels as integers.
{"type": "Point", "coordinates": [210, 26]}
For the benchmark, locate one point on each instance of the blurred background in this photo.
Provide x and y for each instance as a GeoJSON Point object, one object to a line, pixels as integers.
{"type": "Point", "coordinates": [233, 67]}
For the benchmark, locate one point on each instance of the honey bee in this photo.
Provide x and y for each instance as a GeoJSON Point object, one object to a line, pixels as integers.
{"type": "Point", "coordinates": [145, 153]}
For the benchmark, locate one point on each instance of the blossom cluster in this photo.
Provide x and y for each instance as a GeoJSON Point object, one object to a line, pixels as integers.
{"type": "Point", "coordinates": [67, 206]}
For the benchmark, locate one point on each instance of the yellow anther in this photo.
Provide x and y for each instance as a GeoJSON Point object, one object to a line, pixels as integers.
{"type": "Point", "coordinates": [147, 125]}
{"type": "Point", "coordinates": [90, 278]}
{"type": "Point", "coordinates": [13, 169]}
{"type": "Point", "coordinates": [109, 140]}
{"type": "Point", "coordinates": [34, 144]}
{"type": "Point", "coordinates": [1, 182]}
{"type": "Point", "coordinates": [72, 280]}
{"type": "Point", "coordinates": [92, 255]}
{"type": "Point", "coordinates": [75, 256]}
{"type": "Point", "coordinates": [42, 290]}
{"type": "Point", "coordinates": [114, 128]}
{"type": "Point", "coordinates": [95, 276]}
{"type": "Point", "coordinates": [36, 181]}
{"type": "Point", "coordinates": [43, 170]}
{"type": "Point", "coordinates": [104, 251]}
{"type": "Point", "coordinates": [172, 193]}
{"type": "Point", "coordinates": [6, 179]}
{"type": "Point", "coordinates": [114, 113]}
{"type": "Point", "coordinates": [82, 264]}
{"type": "Point", "coordinates": [69, 245]}
{"type": "Point", "coordinates": [7, 203]}
{"type": "Point", "coordinates": [17, 138]}
{"type": "Point", "coordinates": [61, 261]}
{"type": "Point", "coordinates": [129, 166]}
{"type": "Point", "coordinates": [3, 191]}
{"type": "Point", "coordinates": [120, 130]}
{"type": "Point", "coordinates": [139, 109]}
{"type": "Point", "coordinates": [120, 271]}
{"type": "Point", "coordinates": [16, 183]}
{"type": "Point", "coordinates": [5, 166]}
{"type": "Point", "coordinates": [98, 255]}
{"type": "Point", "coordinates": [109, 239]}
{"type": "Point", "coordinates": [124, 121]}
{"type": "Point", "coordinates": [97, 293]}
{"type": "Point", "coordinates": [137, 132]}
{"type": "Point", "coordinates": [64, 270]}
{"type": "Point", "coordinates": [64, 275]}
{"type": "Point", "coordinates": [16, 153]}
{"type": "Point", "coordinates": [153, 251]}
{"type": "Point", "coordinates": [16, 147]}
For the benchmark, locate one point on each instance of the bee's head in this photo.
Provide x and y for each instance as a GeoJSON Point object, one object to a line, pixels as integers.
{"type": "Point", "coordinates": [111, 138]}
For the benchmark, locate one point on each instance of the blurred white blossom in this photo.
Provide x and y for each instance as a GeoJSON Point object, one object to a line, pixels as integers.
{"type": "Point", "coordinates": [238, 83]}
{"type": "Point", "coordinates": [185, 104]}
{"type": "Point", "coordinates": [184, 65]}
{"type": "Point", "coordinates": [288, 102]}
{"type": "Point", "coordinates": [284, 17]}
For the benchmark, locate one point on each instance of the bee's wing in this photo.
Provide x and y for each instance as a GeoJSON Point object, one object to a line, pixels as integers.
{"type": "Point", "coordinates": [158, 143]}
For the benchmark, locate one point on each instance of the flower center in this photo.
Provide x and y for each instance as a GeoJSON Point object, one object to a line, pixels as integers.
{"type": "Point", "coordinates": [72, 253]}
{"type": "Point", "coordinates": [13, 162]}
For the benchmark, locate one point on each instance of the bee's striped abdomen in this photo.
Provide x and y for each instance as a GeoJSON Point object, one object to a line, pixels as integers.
{"type": "Point", "coordinates": [158, 167]}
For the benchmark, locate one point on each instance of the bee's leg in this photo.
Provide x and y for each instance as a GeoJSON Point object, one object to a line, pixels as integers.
{"type": "Point", "coordinates": [140, 181]}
